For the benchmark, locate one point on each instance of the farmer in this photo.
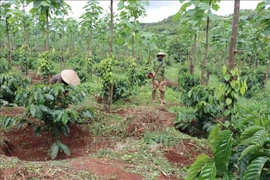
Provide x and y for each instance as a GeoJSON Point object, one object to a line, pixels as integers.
{"type": "Point", "coordinates": [158, 78]}
{"type": "Point", "coordinates": [68, 76]}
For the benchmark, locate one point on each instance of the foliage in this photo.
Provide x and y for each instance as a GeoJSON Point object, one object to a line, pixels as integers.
{"type": "Point", "coordinates": [23, 59]}
{"type": "Point", "coordinates": [50, 104]}
{"type": "Point", "coordinates": [254, 79]}
{"type": "Point", "coordinates": [3, 68]}
{"type": "Point", "coordinates": [105, 72]}
{"type": "Point", "coordinates": [245, 158]}
{"type": "Point", "coordinates": [263, 10]}
{"type": "Point", "coordinates": [136, 77]}
{"type": "Point", "coordinates": [122, 89]}
{"type": "Point", "coordinates": [206, 108]}
{"type": "Point", "coordinates": [45, 67]}
{"type": "Point", "coordinates": [229, 91]}
{"type": "Point", "coordinates": [187, 80]}
{"type": "Point", "coordinates": [9, 85]}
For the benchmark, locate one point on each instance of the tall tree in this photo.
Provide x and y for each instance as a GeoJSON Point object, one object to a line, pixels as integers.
{"type": "Point", "coordinates": [232, 48]}
{"type": "Point", "coordinates": [111, 29]}
{"type": "Point", "coordinates": [263, 18]}
{"type": "Point", "coordinates": [45, 8]}
{"type": "Point", "coordinates": [5, 14]}
{"type": "Point", "coordinates": [131, 10]}
{"type": "Point", "coordinates": [89, 20]}
{"type": "Point", "coordinates": [202, 9]}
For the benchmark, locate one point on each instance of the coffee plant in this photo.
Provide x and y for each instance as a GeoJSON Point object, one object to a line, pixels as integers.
{"type": "Point", "coordinates": [187, 80]}
{"type": "Point", "coordinates": [245, 158]}
{"type": "Point", "coordinates": [206, 109]}
{"type": "Point", "coordinates": [9, 85]}
{"type": "Point", "coordinates": [50, 104]}
{"type": "Point", "coordinates": [254, 80]}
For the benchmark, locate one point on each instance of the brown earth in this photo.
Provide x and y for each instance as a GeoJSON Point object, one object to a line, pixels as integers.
{"type": "Point", "coordinates": [23, 144]}
{"type": "Point", "coordinates": [185, 153]}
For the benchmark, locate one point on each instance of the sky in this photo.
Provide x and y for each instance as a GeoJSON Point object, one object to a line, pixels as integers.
{"type": "Point", "coordinates": [159, 10]}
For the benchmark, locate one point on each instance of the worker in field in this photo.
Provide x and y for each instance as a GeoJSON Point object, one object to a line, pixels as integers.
{"type": "Point", "coordinates": [158, 78]}
{"type": "Point", "coordinates": [68, 76]}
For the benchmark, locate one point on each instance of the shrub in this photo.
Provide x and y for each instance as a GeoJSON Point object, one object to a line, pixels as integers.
{"type": "Point", "coordinates": [254, 80]}
{"type": "Point", "coordinates": [244, 158]}
{"type": "Point", "coordinates": [9, 85]}
{"type": "Point", "coordinates": [50, 104]}
{"type": "Point", "coordinates": [187, 80]}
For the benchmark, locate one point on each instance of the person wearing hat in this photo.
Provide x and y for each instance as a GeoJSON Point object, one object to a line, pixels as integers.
{"type": "Point", "coordinates": [158, 77]}
{"type": "Point", "coordinates": [68, 76]}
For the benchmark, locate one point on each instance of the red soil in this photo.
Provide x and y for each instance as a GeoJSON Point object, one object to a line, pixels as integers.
{"type": "Point", "coordinates": [184, 154]}
{"type": "Point", "coordinates": [23, 144]}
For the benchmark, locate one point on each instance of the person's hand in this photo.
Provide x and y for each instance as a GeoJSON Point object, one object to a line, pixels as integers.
{"type": "Point", "coordinates": [154, 74]}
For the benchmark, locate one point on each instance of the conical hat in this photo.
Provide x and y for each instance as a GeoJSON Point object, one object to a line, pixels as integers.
{"type": "Point", "coordinates": [70, 77]}
{"type": "Point", "coordinates": [161, 54]}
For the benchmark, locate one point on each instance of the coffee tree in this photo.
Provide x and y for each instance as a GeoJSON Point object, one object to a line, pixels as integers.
{"type": "Point", "coordinates": [51, 105]}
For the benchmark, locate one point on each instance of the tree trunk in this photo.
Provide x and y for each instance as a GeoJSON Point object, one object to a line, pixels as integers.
{"type": "Point", "coordinates": [206, 50]}
{"type": "Point", "coordinates": [207, 78]}
{"type": "Point", "coordinates": [107, 91]}
{"type": "Point", "coordinates": [267, 72]}
{"type": "Point", "coordinates": [47, 29]}
{"type": "Point", "coordinates": [63, 59]}
{"type": "Point", "coordinates": [111, 30]}
{"type": "Point", "coordinates": [9, 47]}
{"type": "Point", "coordinates": [90, 50]}
{"type": "Point", "coordinates": [234, 35]}
{"type": "Point", "coordinates": [194, 54]}
{"type": "Point", "coordinates": [111, 97]}
{"type": "Point", "coordinates": [25, 42]}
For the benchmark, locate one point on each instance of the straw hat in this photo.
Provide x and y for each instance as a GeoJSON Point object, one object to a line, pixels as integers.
{"type": "Point", "coordinates": [70, 77]}
{"type": "Point", "coordinates": [161, 54]}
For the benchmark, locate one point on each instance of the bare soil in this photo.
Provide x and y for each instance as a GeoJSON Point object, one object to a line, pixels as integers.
{"type": "Point", "coordinates": [22, 143]}
{"type": "Point", "coordinates": [185, 153]}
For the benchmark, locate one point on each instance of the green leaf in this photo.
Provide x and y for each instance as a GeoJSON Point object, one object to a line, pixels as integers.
{"type": "Point", "coordinates": [266, 32]}
{"type": "Point", "coordinates": [254, 169]}
{"type": "Point", "coordinates": [208, 172]}
{"type": "Point", "coordinates": [33, 110]}
{"type": "Point", "coordinates": [64, 148]}
{"type": "Point", "coordinates": [214, 132]}
{"type": "Point", "coordinates": [215, 7]}
{"type": "Point", "coordinates": [54, 150]}
{"type": "Point", "coordinates": [177, 16]}
{"type": "Point", "coordinates": [247, 151]}
{"type": "Point", "coordinates": [120, 5]}
{"type": "Point", "coordinates": [227, 112]}
{"type": "Point", "coordinates": [227, 77]}
{"type": "Point", "coordinates": [223, 145]}
{"type": "Point", "coordinates": [250, 131]}
{"type": "Point", "coordinates": [242, 90]}
{"type": "Point", "coordinates": [33, 10]}
{"type": "Point", "coordinates": [228, 101]}
{"type": "Point", "coordinates": [258, 138]}
{"type": "Point", "coordinates": [49, 97]}
{"type": "Point", "coordinates": [242, 166]}
{"type": "Point", "coordinates": [184, 6]}
{"type": "Point", "coordinates": [196, 167]}
{"type": "Point", "coordinates": [233, 83]}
